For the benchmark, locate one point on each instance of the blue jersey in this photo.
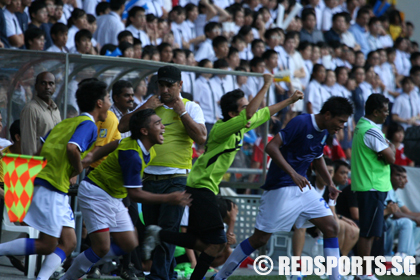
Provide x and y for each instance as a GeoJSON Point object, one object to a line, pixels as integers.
{"type": "Point", "coordinates": [303, 142]}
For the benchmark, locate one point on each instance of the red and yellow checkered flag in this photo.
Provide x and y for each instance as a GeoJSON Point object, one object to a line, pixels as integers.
{"type": "Point", "coordinates": [19, 175]}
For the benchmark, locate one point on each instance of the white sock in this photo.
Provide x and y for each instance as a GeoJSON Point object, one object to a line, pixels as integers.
{"type": "Point", "coordinates": [51, 263]}
{"type": "Point", "coordinates": [331, 249]}
{"type": "Point", "coordinates": [18, 247]}
{"type": "Point", "coordinates": [114, 251]}
{"type": "Point", "coordinates": [81, 265]}
{"type": "Point", "coordinates": [238, 255]}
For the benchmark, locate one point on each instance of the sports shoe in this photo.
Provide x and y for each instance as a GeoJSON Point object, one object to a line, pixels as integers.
{"type": "Point", "coordinates": [94, 273]}
{"type": "Point", "coordinates": [18, 264]}
{"type": "Point", "coordinates": [128, 274]}
{"type": "Point", "coordinates": [58, 273]}
{"type": "Point", "coordinates": [151, 240]}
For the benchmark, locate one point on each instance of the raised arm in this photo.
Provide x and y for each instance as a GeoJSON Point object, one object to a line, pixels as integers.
{"type": "Point", "coordinates": [258, 99]}
{"type": "Point", "coordinates": [152, 103]}
{"type": "Point", "coordinates": [281, 105]}
{"type": "Point", "coordinates": [99, 152]}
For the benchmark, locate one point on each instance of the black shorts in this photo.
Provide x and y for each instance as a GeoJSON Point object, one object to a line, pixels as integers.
{"type": "Point", "coordinates": [205, 220]}
{"type": "Point", "coordinates": [371, 213]}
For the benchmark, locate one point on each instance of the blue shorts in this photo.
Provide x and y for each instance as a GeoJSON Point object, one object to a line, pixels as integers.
{"type": "Point", "coordinates": [371, 213]}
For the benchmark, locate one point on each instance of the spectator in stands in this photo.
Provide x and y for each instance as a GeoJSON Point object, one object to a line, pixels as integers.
{"type": "Point", "coordinates": [192, 15]}
{"type": "Point", "coordinates": [58, 12]}
{"type": "Point", "coordinates": [14, 32]}
{"type": "Point", "coordinates": [4, 41]}
{"type": "Point", "coordinates": [233, 58]}
{"type": "Point", "coordinates": [35, 39]}
{"type": "Point", "coordinates": [357, 94]}
{"type": "Point", "coordinates": [211, 30]}
{"type": "Point", "coordinates": [257, 47]}
{"type": "Point", "coordinates": [39, 19]}
{"type": "Point", "coordinates": [315, 94]}
{"type": "Point", "coordinates": [92, 26]}
{"type": "Point", "coordinates": [168, 170]}
{"type": "Point", "coordinates": [126, 49]}
{"type": "Point", "coordinates": [150, 52]}
{"type": "Point", "coordinates": [110, 25]}
{"type": "Point", "coordinates": [102, 8]}
{"type": "Point", "coordinates": [22, 15]}
{"type": "Point", "coordinates": [337, 29]}
{"type": "Point", "coordinates": [371, 156]}
{"type": "Point", "coordinates": [220, 48]}
{"type": "Point", "coordinates": [137, 48]}
{"type": "Point", "coordinates": [123, 98]}
{"type": "Point", "coordinates": [221, 84]}
{"type": "Point", "coordinates": [406, 108]}
{"type": "Point", "coordinates": [402, 61]}
{"type": "Point", "coordinates": [40, 115]}
{"type": "Point", "coordinates": [125, 36]}
{"type": "Point", "coordinates": [374, 40]}
{"type": "Point", "coordinates": [206, 97]}
{"type": "Point", "coordinates": [347, 200]}
{"type": "Point", "coordinates": [271, 64]}
{"type": "Point", "coordinates": [77, 22]}
{"type": "Point", "coordinates": [257, 65]}
{"type": "Point", "coordinates": [395, 134]}
{"type": "Point", "coordinates": [305, 50]}
{"type": "Point", "coordinates": [309, 31]}
{"type": "Point", "coordinates": [165, 52]}
{"type": "Point", "coordinates": [180, 28]}
{"type": "Point", "coordinates": [395, 25]}
{"type": "Point", "coordinates": [83, 43]}
{"type": "Point", "coordinates": [331, 8]}
{"type": "Point", "coordinates": [59, 35]}
{"type": "Point", "coordinates": [50, 4]}
{"type": "Point", "coordinates": [136, 24]}
{"type": "Point", "coordinates": [359, 29]}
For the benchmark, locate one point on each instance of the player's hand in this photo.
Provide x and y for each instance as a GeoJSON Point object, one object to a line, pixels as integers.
{"type": "Point", "coordinates": [297, 95]}
{"type": "Point", "coordinates": [73, 180]}
{"type": "Point", "coordinates": [87, 160]}
{"type": "Point", "coordinates": [180, 198]}
{"type": "Point", "coordinates": [153, 102]}
{"type": "Point", "coordinates": [268, 79]}
{"type": "Point", "coordinates": [334, 192]}
{"type": "Point", "coordinates": [179, 106]}
{"type": "Point", "coordinates": [300, 181]}
{"type": "Point", "coordinates": [231, 238]}
{"type": "Point", "coordinates": [350, 222]}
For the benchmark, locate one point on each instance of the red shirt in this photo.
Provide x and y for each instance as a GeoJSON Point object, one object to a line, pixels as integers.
{"type": "Point", "coordinates": [258, 150]}
{"type": "Point", "coordinates": [400, 158]}
{"type": "Point", "coordinates": [336, 152]}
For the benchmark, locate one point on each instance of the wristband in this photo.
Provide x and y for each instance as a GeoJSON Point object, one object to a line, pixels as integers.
{"type": "Point", "coordinates": [185, 112]}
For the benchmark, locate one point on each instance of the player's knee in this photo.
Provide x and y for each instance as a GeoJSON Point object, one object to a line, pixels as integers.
{"type": "Point", "coordinates": [331, 230]}
{"type": "Point", "coordinates": [258, 241]}
{"type": "Point", "coordinates": [101, 250]}
{"type": "Point", "coordinates": [354, 233]}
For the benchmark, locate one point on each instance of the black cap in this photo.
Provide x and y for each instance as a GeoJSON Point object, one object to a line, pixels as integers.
{"type": "Point", "coordinates": [169, 74]}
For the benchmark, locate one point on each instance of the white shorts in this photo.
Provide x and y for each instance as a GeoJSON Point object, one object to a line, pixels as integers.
{"type": "Point", "coordinates": [102, 211]}
{"type": "Point", "coordinates": [49, 212]}
{"type": "Point", "coordinates": [280, 209]}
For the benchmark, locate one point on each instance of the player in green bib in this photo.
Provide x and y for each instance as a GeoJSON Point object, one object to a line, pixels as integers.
{"type": "Point", "coordinates": [101, 193]}
{"type": "Point", "coordinates": [205, 225]}
{"type": "Point", "coordinates": [64, 148]}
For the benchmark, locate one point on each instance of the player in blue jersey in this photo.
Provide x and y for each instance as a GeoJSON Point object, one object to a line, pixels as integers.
{"type": "Point", "coordinates": [288, 198]}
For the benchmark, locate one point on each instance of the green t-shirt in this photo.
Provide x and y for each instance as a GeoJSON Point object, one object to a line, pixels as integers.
{"type": "Point", "coordinates": [224, 141]}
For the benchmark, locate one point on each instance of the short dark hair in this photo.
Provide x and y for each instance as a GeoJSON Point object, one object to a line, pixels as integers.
{"type": "Point", "coordinates": [139, 120]}
{"type": "Point", "coordinates": [115, 5]}
{"type": "Point", "coordinates": [303, 45]}
{"type": "Point", "coordinates": [178, 10]}
{"type": "Point", "coordinates": [374, 102]}
{"type": "Point", "coordinates": [392, 129]}
{"type": "Point", "coordinates": [149, 50]}
{"type": "Point", "coordinates": [414, 69]}
{"type": "Point", "coordinates": [270, 32]}
{"type": "Point", "coordinates": [255, 61]}
{"type": "Point", "coordinates": [232, 50]}
{"type": "Point", "coordinates": [218, 41]}
{"type": "Point", "coordinates": [90, 18]}
{"type": "Point", "coordinates": [337, 16]}
{"type": "Point", "coordinates": [84, 33]}
{"type": "Point", "coordinates": [338, 163]}
{"type": "Point", "coordinates": [89, 93]}
{"type": "Point", "coordinates": [119, 86]}
{"type": "Point", "coordinates": [137, 42]}
{"type": "Point", "coordinates": [132, 13]}
{"type": "Point", "coordinates": [75, 14]}
{"type": "Point", "coordinates": [123, 34]}
{"type": "Point", "coordinates": [176, 52]}
{"type": "Point", "coordinates": [245, 30]}
{"type": "Point", "coordinates": [268, 53]}
{"type": "Point", "coordinates": [337, 106]}
{"type": "Point", "coordinates": [35, 7]}
{"type": "Point", "coordinates": [14, 129]}
{"type": "Point", "coordinates": [102, 7]}
{"type": "Point", "coordinates": [220, 63]}
{"type": "Point", "coordinates": [123, 46]}
{"type": "Point", "coordinates": [406, 80]}
{"type": "Point", "coordinates": [203, 62]}
{"type": "Point", "coordinates": [414, 56]}
{"type": "Point", "coordinates": [390, 51]}
{"type": "Point", "coordinates": [236, 39]}
{"type": "Point", "coordinates": [255, 42]}
{"type": "Point", "coordinates": [210, 26]}
{"type": "Point", "coordinates": [107, 47]}
{"type": "Point", "coordinates": [162, 46]}
{"type": "Point", "coordinates": [308, 12]}
{"type": "Point", "coordinates": [328, 161]}
{"type": "Point", "coordinates": [31, 34]}
{"type": "Point", "coordinates": [189, 7]}
{"type": "Point", "coordinates": [58, 28]}
{"type": "Point", "coordinates": [397, 168]}
{"type": "Point", "coordinates": [228, 102]}
{"type": "Point", "coordinates": [362, 11]}
{"type": "Point", "coordinates": [373, 20]}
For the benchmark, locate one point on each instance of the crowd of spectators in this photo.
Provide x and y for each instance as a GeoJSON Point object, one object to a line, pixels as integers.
{"type": "Point", "coordinates": [348, 48]}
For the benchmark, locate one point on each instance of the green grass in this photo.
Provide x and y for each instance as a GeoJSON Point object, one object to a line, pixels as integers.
{"type": "Point", "coordinates": [274, 277]}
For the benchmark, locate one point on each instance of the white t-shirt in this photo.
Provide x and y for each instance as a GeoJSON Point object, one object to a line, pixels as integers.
{"type": "Point", "coordinates": [374, 138]}
{"type": "Point", "coordinates": [406, 106]}
{"type": "Point", "coordinates": [316, 95]}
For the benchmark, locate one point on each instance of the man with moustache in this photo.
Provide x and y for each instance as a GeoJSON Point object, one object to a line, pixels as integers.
{"type": "Point", "coordinates": [123, 98]}
{"type": "Point", "coordinates": [40, 115]}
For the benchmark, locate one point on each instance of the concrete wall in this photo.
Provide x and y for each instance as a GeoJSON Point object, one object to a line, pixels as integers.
{"type": "Point", "coordinates": [411, 10]}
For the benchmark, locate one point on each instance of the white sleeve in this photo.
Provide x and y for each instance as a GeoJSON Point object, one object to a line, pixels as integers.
{"type": "Point", "coordinates": [397, 107]}
{"type": "Point", "coordinates": [10, 27]}
{"type": "Point", "coordinates": [202, 52]}
{"type": "Point", "coordinates": [374, 140]}
{"type": "Point", "coordinates": [195, 112]}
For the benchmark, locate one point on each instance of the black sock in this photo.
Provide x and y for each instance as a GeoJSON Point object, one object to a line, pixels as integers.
{"type": "Point", "coordinates": [126, 260]}
{"type": "Point", "coordinates": [181, 239]}
{"type": "Point", "coordinates": [203, 263]}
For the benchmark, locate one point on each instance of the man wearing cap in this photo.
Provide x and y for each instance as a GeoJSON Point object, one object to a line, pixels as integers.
{"type": "Point", "coordinates": [184, 124]}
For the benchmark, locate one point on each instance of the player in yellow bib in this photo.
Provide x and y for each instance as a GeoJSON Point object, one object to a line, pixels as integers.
{"type": "Point", "coordinates": [101, 193]}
